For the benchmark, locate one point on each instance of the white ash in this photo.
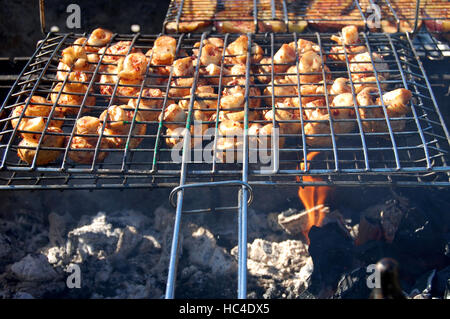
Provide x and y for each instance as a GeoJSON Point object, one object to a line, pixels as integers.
{"type": "Point", "coordinates": [279, 267]}
{"type": "Point", "coordinates": [203, 251]}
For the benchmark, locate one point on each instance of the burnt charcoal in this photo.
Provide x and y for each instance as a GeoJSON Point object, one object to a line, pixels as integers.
{"type": "Point", "coordinates": [417, 231]}
{"type": "Point", "coordinates": [369, 229]}
{"type": "Point", "coordinates": [372, 251]}
{"type": "Point", "coordinates": [447, 245]}
{"type": "Point", "coordinates": [432, 204]}
{"type": "Point", "coordinates": [5, 246]}
{"type": "Point", "coordinates": [332, 253]}
{"type": "Point", "coordinates": [424, 285]}
{"type": "Point", "coordinates": [380, 222]}
{"type": "Point", "coordinates": [442, 283]}
{"type": "Point", "coordinates": [447, 290]}
{"type": "Point", "coordinates": [419, 243]}
{"type": "Point", "coordinates": [353, 285]}
{"type": "Point", "coordinates": [202, 284]}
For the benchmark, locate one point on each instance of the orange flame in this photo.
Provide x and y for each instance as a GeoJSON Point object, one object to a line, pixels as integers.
{"type": "Point", "coordinates": [312, 197]}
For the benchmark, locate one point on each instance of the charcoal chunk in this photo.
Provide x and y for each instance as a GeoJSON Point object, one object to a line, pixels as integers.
{"type": "Point", "coordinates": [353, 285]}
{"type": "Point", "coordinates": [331, 250]}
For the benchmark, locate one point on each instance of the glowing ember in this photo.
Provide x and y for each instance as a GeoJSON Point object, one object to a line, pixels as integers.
{"type": "Point", "coordinates": [313, 198]}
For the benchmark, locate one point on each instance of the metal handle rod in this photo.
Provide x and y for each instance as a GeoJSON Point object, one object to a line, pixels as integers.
{"type": "Point", "coordinates": [242, 245]}
{"type": "Point", "coordinates": [180, 10]}
{"type": "Point", "coordinates": [42, 15]}
{"type": "Point", "coordinates": [394, 13]}
{"type": "Point", "coordinates": [171, 276]}
{"type": "Point", "coordinates": [255, 15]}
{"type": "Point", "coordinates": [416, 17]}
{"type": "Point", "coordinates": [242, 233]}
{"type": "Point", "coordinates": [177, 189]}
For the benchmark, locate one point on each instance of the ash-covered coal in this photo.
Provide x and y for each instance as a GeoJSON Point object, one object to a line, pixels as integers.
{"type": "Point", "coordinates": [124, 253]}
{"type": "Point", "coordinates": [113, 252]}
{"type": "Point", "coordinates": [278, 269]}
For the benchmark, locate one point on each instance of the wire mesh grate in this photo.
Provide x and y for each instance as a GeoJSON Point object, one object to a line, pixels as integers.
{"type": "Point", "coordinates": [142, 153]}
{"type": "Point", "coordinates": [242, 16]}
{"type": "Point", "coordinates": [428, 46]}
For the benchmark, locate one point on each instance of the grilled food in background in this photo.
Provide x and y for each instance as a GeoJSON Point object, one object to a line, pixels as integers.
{"type": "Point", "coordinates": [236, 22]}
{"type": "Point", "coordinates": [405, 11]}
{"type": "Point", "coordinates": [241, 16]}
{"type": "Point", "coordinates": [232, 16]}
{"type": "Point", "coordinates": [196, 16]}
{"type": "Point", "coordinates": [436, 16]}
{"type": "Point", "coordinates": [327, 15]}
{"type": "Point", "coordinates": [327, 103]}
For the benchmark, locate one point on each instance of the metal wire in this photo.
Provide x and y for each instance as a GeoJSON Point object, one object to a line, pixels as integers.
{"type": "Point", "coordinates": [414, 156]}
{"type": "Point", "coordinates": [428, 46]}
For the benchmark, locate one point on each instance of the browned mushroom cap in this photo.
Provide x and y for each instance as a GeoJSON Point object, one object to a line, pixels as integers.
{"type": "Point", "coordinates": [230, 141]}
{"type": "Point", "coordinates": [82, 150]}
{"type": "Point", "coordinates": [364, 65]}
{"type": "Point", "coordinates": [396, 103]}
{"type": "Point", "coordinates": [38, 106]}
{"type": "Point", "coordinates": [206, 102]}
{"type": "Point", "coordinates": [33, 128]}
{"type": "Point", "coordinates": [282, 89]}
{"type": "Point", "coordinates": [118, 122]}
{"type": "Point", "coordinates": [164, 50]}
{"type": "Point", "coordinates": [177, 132]}
{"type": "Point", "coordinates": [237, 116]}
{"type": "Point", "coordinates": [87, 125]}
{"type": "Point", "coordinates": [174, 116]}
{"type": "Point", "coordinates": [72, 96]}
{"type": "Point", "coordinates": [288, 120]}
{"type": "Point", "coordinates": [99, 37]}
{"type": "Point", "coordinates": [44, 156]}
{"type": "Point", "coordinates": [237, 50]}
{"type": "Point", "coordinates": [369, 81]}
{"type": "Point", "coordinates": [366, 99]}
{"type": "Point", "coordinates": [118, 50]}
{"type": "Point", "coordinates": [150, 104]}
{"type": "Point", "coordinates": [268, 134]}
